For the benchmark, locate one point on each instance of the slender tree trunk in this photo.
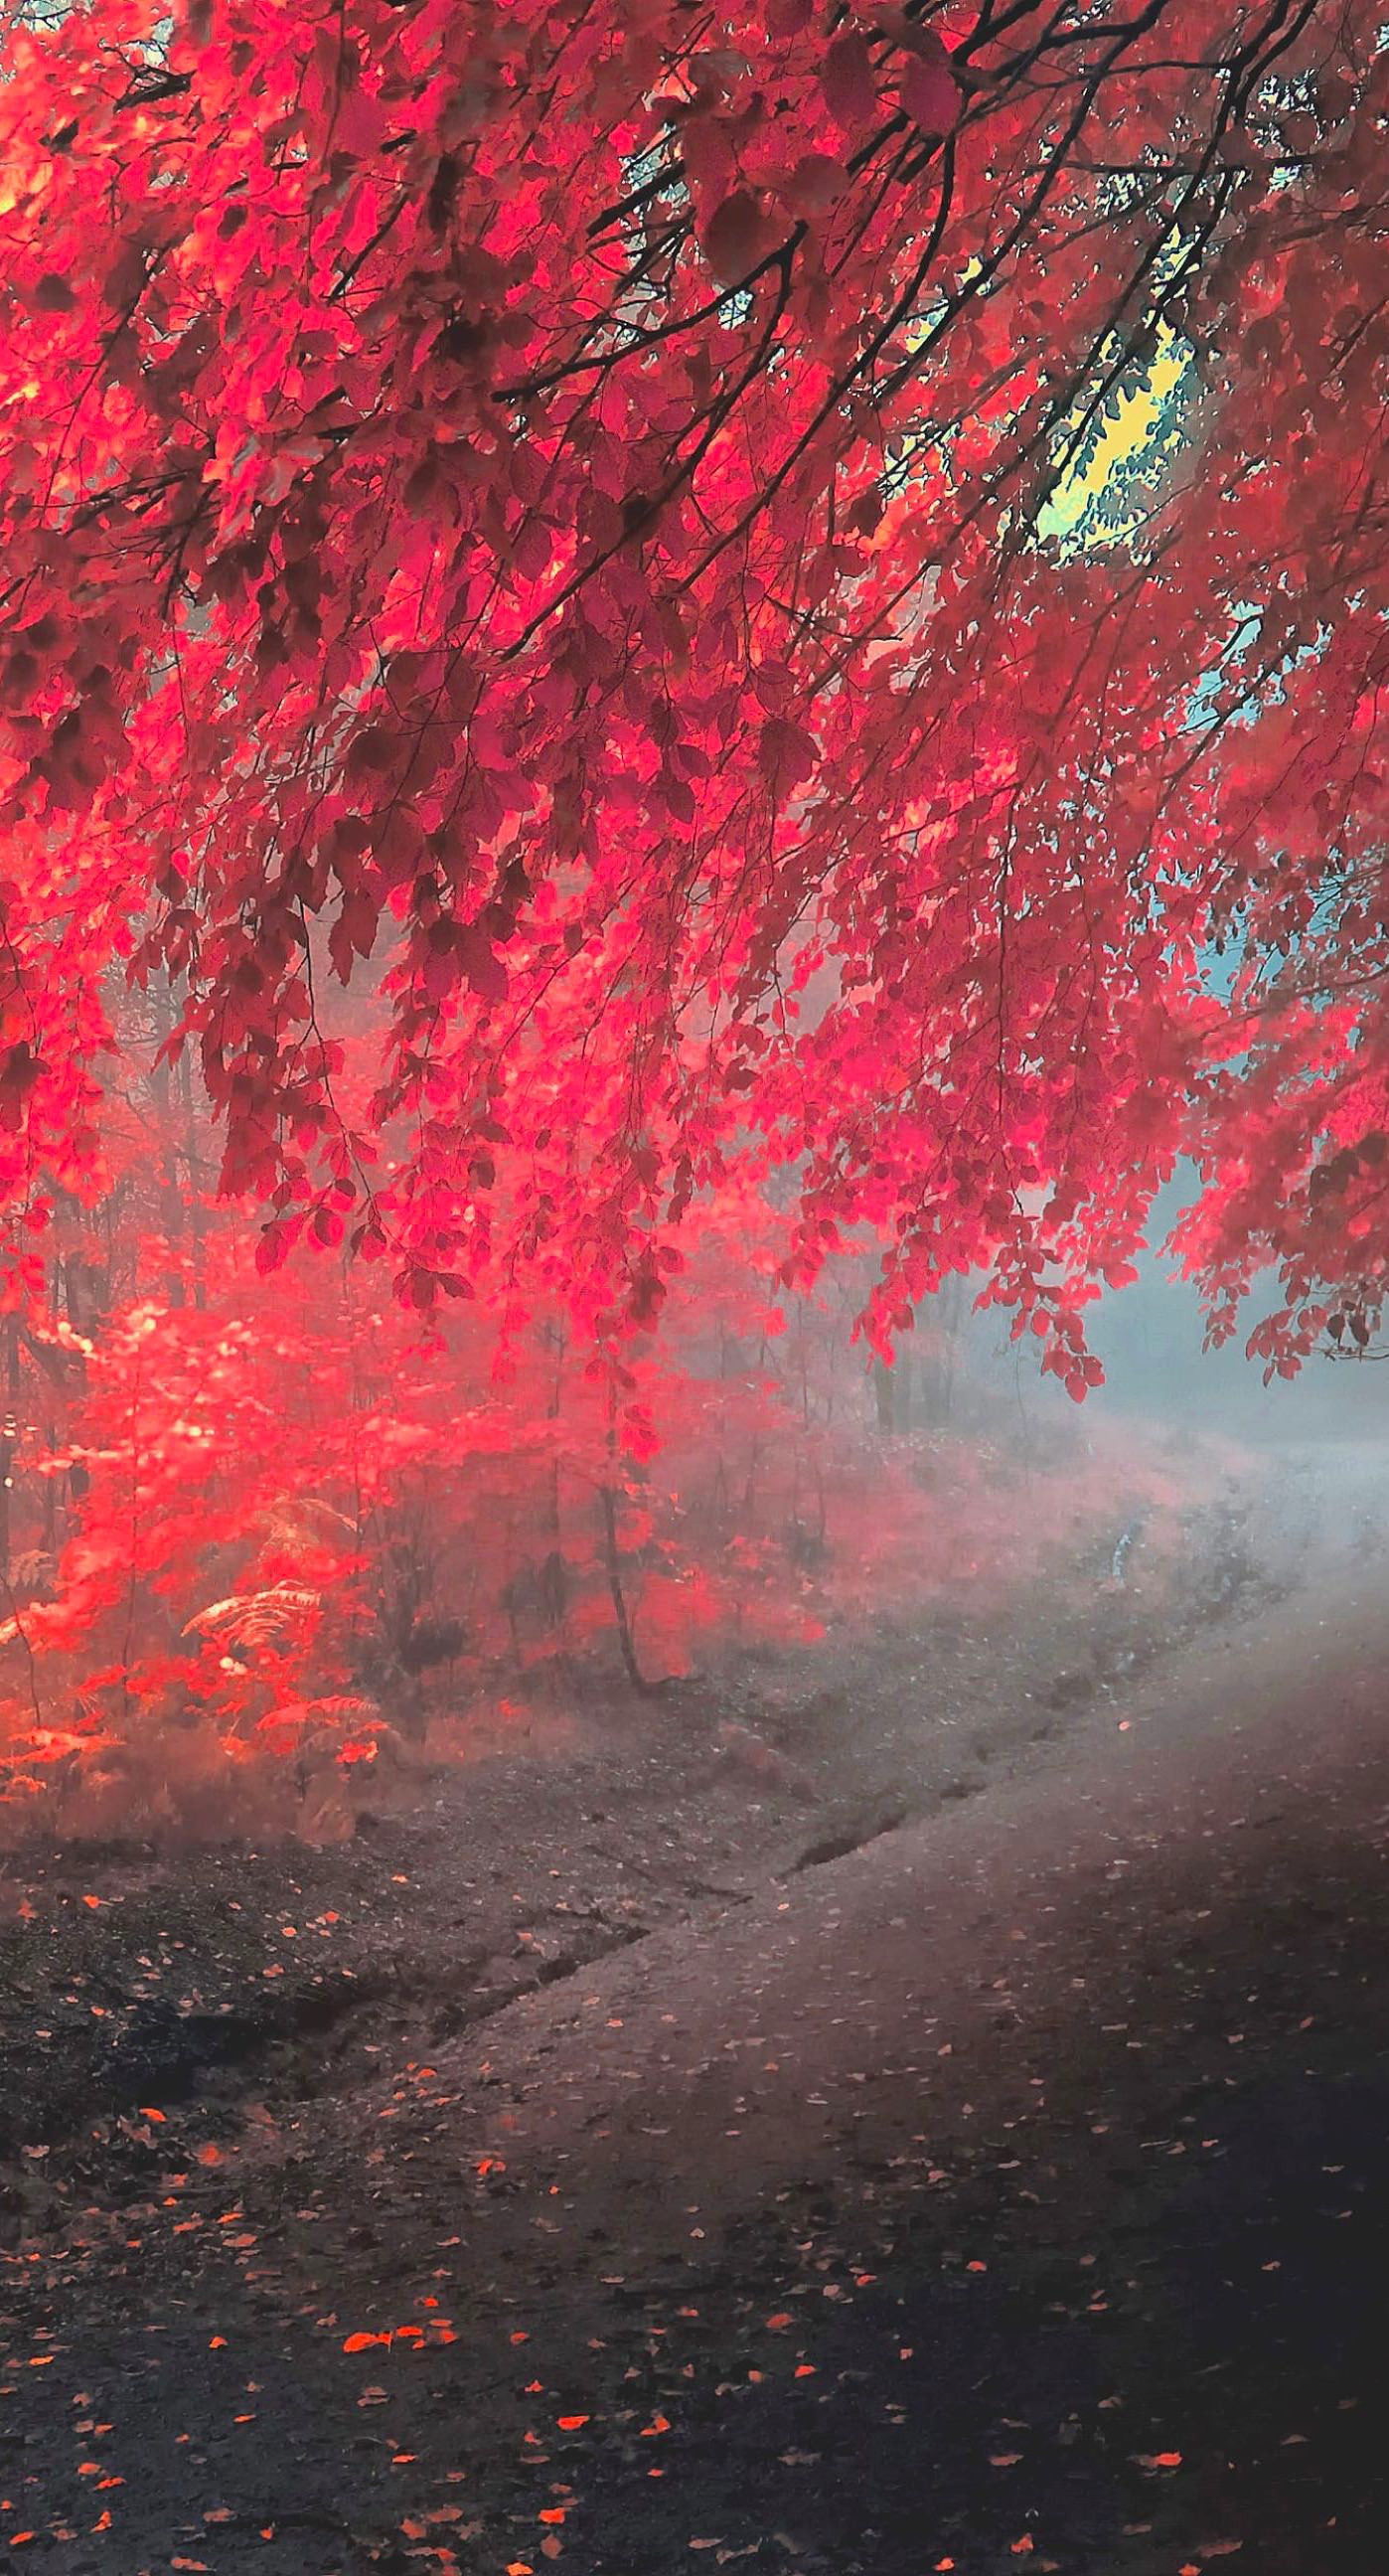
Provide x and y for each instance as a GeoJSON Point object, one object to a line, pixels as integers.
{"type": "Point", "coordinates": [190, 1151]}
{"type": "Point", "coordinates": [554, 1574]}
{"type": "Point", "coordinates": [608, 1500]}
{"type": "Point", "coordinates": [170, 1195]}
{"type": "Point", "coordinates": [9, 1441]}
{"type": "Point", "coordinates": [607, 1495]}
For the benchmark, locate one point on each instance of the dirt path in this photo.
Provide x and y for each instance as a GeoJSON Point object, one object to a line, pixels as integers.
{"type": "Point", "coordinates": [196, 1979]}
{"type": "Point", "coordinates": [1009, 2191]}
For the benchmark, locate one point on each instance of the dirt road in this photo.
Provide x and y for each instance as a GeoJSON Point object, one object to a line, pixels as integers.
{"type": "Point", "coordinates": [1007, 2192]}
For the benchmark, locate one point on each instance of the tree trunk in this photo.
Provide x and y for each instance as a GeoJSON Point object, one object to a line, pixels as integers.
{"type": "Point", "coordinates": [633, 1669]}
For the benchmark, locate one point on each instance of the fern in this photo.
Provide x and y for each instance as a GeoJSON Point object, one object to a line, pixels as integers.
{"type": "Point", "coordinates": [253, 1618]}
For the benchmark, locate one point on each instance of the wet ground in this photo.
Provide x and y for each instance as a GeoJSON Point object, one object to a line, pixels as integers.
{"type": "Point", "coordinates": [1008, 2190]}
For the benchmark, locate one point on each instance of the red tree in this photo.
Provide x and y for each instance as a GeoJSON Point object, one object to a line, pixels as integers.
{"type": "Point", "coordinates": [579, 508]}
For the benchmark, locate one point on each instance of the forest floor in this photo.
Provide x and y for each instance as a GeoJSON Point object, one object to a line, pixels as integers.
{"type": "Point", "coordinates": [915, 2103]}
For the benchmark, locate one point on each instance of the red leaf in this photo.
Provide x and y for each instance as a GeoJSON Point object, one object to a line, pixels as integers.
{"type": "Point", "coordinates": [847, 80]}
{"type": "Point", "coordinates": [786, 755]}
{"type": "Point", "coordinates": [930, 95]}
{"type": "Point", "coordinates": [481, 964]}
{"type": "Point", "coordinates": [737, 235]}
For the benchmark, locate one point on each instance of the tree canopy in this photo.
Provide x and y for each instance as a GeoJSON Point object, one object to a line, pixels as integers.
{"type": "Point", "coordinates": [778, 585]}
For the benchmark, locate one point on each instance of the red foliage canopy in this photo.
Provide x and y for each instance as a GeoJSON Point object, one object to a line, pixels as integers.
{"type": "Point", "coordinates": [614, 515]}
